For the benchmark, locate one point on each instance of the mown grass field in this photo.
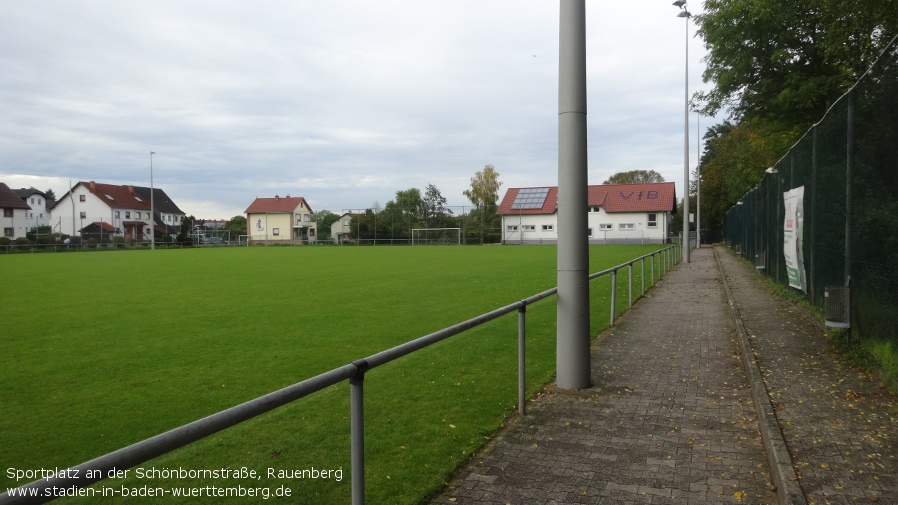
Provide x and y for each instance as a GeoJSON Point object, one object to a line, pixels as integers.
{"type": "Point", "coordinates": [101, 350]}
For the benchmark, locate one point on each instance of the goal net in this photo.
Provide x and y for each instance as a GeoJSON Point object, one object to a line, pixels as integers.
{"type": "Point", "coordinates": [421, 236]}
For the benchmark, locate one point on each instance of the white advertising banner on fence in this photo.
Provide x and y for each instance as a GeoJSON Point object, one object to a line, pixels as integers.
{"type": "Point", "coordinates": [792, 233]}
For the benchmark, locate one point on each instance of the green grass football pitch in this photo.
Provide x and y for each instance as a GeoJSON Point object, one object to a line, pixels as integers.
{"type": "Point", "coordinates": [102, 350]}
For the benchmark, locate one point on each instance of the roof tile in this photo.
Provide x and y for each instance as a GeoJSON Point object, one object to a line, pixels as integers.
{"type": "Point", "coordinates": [645, 197]}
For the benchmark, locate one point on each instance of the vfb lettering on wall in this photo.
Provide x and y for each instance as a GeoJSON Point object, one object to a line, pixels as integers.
{"type": "Point", "coordinates": [641, 195]}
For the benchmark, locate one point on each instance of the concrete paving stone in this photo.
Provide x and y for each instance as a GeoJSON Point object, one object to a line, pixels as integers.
{"type": "Point", "coordinates": [671, 417]}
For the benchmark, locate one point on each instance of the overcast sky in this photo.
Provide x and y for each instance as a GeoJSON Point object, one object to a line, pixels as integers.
{"type": "Point", "coordinates": [343, 102]}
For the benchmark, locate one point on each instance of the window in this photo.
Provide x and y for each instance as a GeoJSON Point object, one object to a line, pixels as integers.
{"type": "Point", "coordinates": [548, 227]}
{"type": "Point", "coordinates": [589, 232]}
{"type": "Point", "coordinates": [32, 201]}
{"type": "Point", "coordinates": [595, 208]}
{"type": "Point", "coordinates": [604, 227]}
{"type": "Point", "coordinates": [653, 220]}
{"type": "Point", "coordinates": [312, 232]}
{"type": "Point", "coordinates": [529, 227]}
{"type": "Point", "coordinates": [7, 212]}
{"type": "Point", "coordinates": [127, 214]}
{"type": "Point", "coordinates": [117, 215]}
{"type": "Point", "coordinates": [626, 226]}
{"type": "Point", "coordinates": [83, 215]}
{"type": "Point", "coordinates": [347, 222]}
{"type": "Point", "coordinates": [7, 232]}
{"type": "Point", "coordinates": [276, 231]}
{"type": "Point", "coordinates": [82, 198]}
{"type": "Point", "coordinates": [511, 227]}
{"type": "Point", "coordinates": [305, 217]}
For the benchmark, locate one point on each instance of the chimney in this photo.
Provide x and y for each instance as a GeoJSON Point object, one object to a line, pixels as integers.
{"type": "Point", "coordinates": [130, 189]}
{"type": "Point", "coordinates": [93, 185]}
{"type": "Point", "coordinates": [277, 197]}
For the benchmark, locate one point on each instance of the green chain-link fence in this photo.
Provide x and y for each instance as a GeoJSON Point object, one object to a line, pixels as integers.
{"type": "Point", "coordinates": [846, 246]}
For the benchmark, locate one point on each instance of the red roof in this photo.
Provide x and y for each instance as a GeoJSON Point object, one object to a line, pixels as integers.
{"type": "Point", "coordinates": [10, 200]}
{"type": "Point", "coordinates": [646, 197]}
{"type": "Point", "coordinates": [277, 204]}
{"type": "Point", "coordinates": [122, 197]}
{"type": "Point", "coordinates": [104, 225]}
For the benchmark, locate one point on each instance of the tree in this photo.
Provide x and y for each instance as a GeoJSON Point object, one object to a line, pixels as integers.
{"type": "Point", "coordinates": [410, 202]}
{"type": "Point", "coordinates": [484, 191]}
{"type": "Point", "coordinates": [184, 234]}
{"type": "Point", "coordinates": [434, 203]}
{"type": "Point", "coordinates": [484, 194]}
{"type": "Point", "coordinates": [792, 74]}
{"type": "Point", "coordinates": [50, 197]}
{"type": "Point", "coordinates": [325, 219]}
{"type": "Point", "coordinates": [634, 177]}
{"type": "Point", "coordinates": [237, 226]}
{"type": "Point", "coordinates": [777, 82]}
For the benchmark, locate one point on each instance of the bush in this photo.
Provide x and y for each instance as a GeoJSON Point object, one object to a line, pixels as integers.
{"type": "Point", "coordinates": [23, 241]}
{"type": "Point", "coordinates": [5, 241]}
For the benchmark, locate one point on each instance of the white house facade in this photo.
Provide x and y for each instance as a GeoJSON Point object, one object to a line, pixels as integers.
{"type": "Point", "coordinates": [616, 214]}
{"type": "Point", "coordinates": [120, 210]}
{"type": "Point", "coordinates": [340, 229]}
{"type": "Point", "coordinates": [39, 215]}
{"type": "Point", "coordinates": [14, 220]}
{"type": "Point", "coordinates": [281, 220]}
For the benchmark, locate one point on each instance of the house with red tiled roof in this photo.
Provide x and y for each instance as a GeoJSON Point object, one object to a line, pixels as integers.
{"type": "Point", "coordinates": [282, 219]}
{"type": "Point", "coordinates": [93, 208]}
{"type": "Point", "coordinates": [617, 214]}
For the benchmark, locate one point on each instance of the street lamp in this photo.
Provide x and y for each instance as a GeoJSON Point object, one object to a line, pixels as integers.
{"type": "Point", "coordinates": [152, 207]}
{"type": "Point", "coordinates": [685, 14]}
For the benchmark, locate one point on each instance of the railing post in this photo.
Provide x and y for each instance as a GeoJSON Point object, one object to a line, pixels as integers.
{"type": "Point", "coordinates": [613, 293]}
{"type": "Point", "coordinates": [357, 431]}
{"type": "Point", "coordinates": [642, 277]}
{"type": "Point", "coordinates": [653, 269]}
{"type": "Point", "coordinates": [522, 362]}
{"type": "Point", "coordinates": [630, 289]}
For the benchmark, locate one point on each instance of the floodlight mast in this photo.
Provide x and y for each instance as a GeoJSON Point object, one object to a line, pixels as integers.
{"type": "Point", "coordinates": [572, 340]}
{"type": "Point", "coordinates": [684, 13]}
{"type": "Point", "coordinates": [152, 207]}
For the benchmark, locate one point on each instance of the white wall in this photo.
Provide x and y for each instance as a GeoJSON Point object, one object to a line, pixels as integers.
{"type": "Point", "coordinates": [94, 210]}
{"type": "Point", "coordinates": [532, 228]}
{"type": "Point", "coordinates": [18, 223]}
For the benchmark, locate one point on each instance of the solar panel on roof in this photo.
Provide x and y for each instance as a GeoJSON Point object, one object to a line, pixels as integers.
{"type": "Point", "coordinates": [530, 198]}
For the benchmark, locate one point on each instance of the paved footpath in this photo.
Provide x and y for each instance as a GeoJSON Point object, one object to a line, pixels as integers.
{"type": "Point", "coordinates": [839, 424]}
{"type": "Point", "coordinates": [671, 417]}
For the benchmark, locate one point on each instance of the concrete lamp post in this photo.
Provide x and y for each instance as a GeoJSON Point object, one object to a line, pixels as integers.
{"type": "Point", "coordinates": [685, 14]}
{"type": "Point", "coordinates": [152, 209]}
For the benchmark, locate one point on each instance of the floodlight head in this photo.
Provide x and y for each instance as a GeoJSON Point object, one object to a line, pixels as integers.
{"type": "Point", "coordinates": [684, 14]}
{"type": "Point", "coordinates": [772, 170]}
{"type": "Point", "coordinates": [679, 3]}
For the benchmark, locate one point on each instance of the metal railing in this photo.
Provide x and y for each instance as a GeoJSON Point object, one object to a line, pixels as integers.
{"type": "Point", "coordinates": [97, 469]}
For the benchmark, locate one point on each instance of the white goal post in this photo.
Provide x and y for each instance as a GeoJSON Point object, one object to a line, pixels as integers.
{"type": "Point", "coordinates": [442, 238]}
